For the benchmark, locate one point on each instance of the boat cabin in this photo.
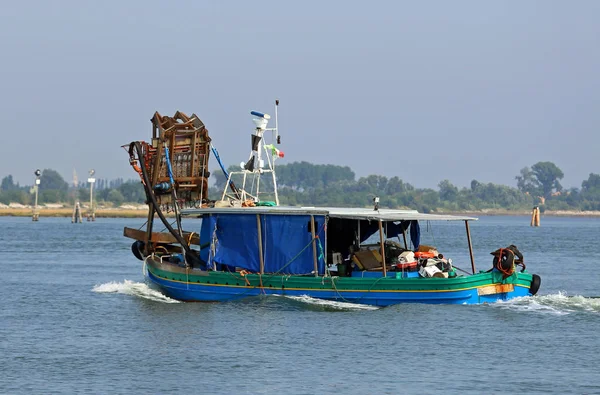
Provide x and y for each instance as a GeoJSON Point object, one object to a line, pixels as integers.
{"type": "Point", "coordinates": [314, 241]}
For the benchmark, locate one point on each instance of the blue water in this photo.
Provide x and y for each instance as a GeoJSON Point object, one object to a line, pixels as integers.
{"type": "Point", "coordinates": [76, 316]}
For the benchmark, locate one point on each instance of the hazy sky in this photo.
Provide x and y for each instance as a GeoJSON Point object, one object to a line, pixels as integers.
{"type": "Point", "coordinates": [425, 90]}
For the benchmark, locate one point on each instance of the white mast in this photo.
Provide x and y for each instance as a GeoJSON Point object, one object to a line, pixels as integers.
{"type": "Point", "coordinates": [255, 164]}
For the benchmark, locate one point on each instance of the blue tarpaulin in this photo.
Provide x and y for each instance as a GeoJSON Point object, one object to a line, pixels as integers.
{"type": "Point", "coordinates": [206, 234]}
{"type": "Point", "coordinates": [237, 241]}
{"type": "Point", "coordinates": [392, 229]}
{"type": "Point", "coordinates": [287, 245]}
{"type": "Point", "coordinates": [415, 234]}
{"type": "Point", "coordinates": [286, 242]}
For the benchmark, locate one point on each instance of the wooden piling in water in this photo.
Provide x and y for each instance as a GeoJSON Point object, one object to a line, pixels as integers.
{"type": "Point", "coordinates": [535, 216]}
{"type": "Point", "coordinates": [76, 214]}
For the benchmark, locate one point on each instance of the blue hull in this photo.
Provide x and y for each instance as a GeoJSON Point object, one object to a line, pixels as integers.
{"type": "Point", "coordinates": [186, 291]}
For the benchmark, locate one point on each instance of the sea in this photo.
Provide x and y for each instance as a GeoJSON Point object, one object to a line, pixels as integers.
{"type": "Point", "coordinates": [76, 316]}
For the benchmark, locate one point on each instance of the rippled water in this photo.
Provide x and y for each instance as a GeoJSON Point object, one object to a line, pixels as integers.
{"type": "Point", "coordinates": [76, 316]}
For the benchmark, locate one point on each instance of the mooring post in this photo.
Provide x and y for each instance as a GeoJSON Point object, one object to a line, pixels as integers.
{"type": "Point", "coordinates": [76, 213]}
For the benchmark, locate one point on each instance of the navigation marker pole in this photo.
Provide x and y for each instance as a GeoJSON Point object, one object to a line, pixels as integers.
{"type": "Point", "coordinates": [91, 216]}
{"type": "Point", "coordinates": [36, 213]}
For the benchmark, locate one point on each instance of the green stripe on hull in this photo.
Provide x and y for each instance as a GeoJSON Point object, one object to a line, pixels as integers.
{"type": "Point", "coordinates": [341, 284]}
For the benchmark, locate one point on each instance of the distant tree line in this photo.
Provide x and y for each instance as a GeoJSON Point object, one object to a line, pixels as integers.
{"type": "Point", "coordinates": [303, 183]}
{"type": "Point", "coordinates": [54, 189]}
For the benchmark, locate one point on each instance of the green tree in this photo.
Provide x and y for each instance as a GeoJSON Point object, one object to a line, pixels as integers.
{"type": "Point", "coordinates": [132, 191]}
{"type": "Point", "coordinates": [448, 192]}
{"type": "Point", "coordinates": [302, 175]}
{"type": "Point", "coordinates": [396, 186]}
{"type": "Point", "coordinates": [589, 198]}
{"type": "Point", "coordinates": [15, 196]}
{"type": "Point", "coordinates": [83, 194]}
{"type": "Point", "coordinates": [52, 196]}
{"type": "Point", "coordinates": [526, 182]}
{"type": "Point", "coordinates": [115, 197]}
{"type": "Point", "coordinates": [50, 179]}
{"type": "Point", "coordinates": [220, 179]}
{"type": "Point", "coordinates": [547, 175]}
{"type": "Point", "coordinates": [8, 183]}
{"type": "Point", "coordinates": [591, 184]}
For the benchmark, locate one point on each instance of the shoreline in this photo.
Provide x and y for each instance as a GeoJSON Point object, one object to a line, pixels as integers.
{"type": "Point", "coordinates": [68, 212]}
{"type": "Point", "coordinates": [547, 213]}
{"type": "Point", "coordinates": [143, 213]}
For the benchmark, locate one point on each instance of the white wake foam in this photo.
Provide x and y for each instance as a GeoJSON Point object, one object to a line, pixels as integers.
{"type": "Point", "coordinates": [129, 287]}
{"type": "Point", "coordinates": [330, 304]}
{"type": "Point", "coordinates": [558, 304]}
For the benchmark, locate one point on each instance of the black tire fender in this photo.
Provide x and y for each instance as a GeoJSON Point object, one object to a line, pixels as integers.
{"type": "Point", "coordinates": [536, 281]}
{"type": "Point", "coordinates": [137, 248]}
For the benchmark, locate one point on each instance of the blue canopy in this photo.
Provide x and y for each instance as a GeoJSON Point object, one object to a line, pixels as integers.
{"type": "Point", "coordinates": [286, 242]}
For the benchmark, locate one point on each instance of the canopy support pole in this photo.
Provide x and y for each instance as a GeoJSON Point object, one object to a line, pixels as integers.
{"type": "Point", "coordinates": [260, 248]}
{"type": "Point", "coordinates": [325, 233]}
{"type": "Point", "coordinates": [382, 245]}
{"type": "Point", "coordinates": [404, 237]}
{"type": "Point", "coordinates": [470, 246]}
{"type": "Point", "coordinates": [314, 243]}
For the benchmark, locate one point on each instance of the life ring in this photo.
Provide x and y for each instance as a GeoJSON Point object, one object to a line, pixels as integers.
{"type": "Point", "coordinates": [424, 254]}
{"type": "Point", "coordinates": [536, 281]}
{"type": "Point", "coordinates": [137, 248]}
{"type": "Point", "coordinates": [406, 266]}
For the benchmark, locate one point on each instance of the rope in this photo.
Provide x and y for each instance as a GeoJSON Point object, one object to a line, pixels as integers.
{"type": "Point", "coordinates": [271, 275]}
{"type": "Point", "coordinates": [169, 168]}
{"type": "Point", "coordinates": [357, 300]}
{"type": "Point", "coordinates": [187, 277]}
{"type": "Point", "coordinates": [505, 252]}
{"type": "Point", "coordinates": [231, 184]}
{"type": "Point", "coordinates": [428, 230]}
{"type": "Point", "coordinates": [212, 252]}
{"type": "Point", "coordinates": [464, 271]}
{"type": "Point", "coordinates": [143, 225]}
{"type": "Point", "coordinates": [321, 254]}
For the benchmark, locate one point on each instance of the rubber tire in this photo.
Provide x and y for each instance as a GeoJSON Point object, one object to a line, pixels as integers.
{"type": "Point", "coordinates": [137, 248]}
{"type": "Point", "coordinates": [536, 281]}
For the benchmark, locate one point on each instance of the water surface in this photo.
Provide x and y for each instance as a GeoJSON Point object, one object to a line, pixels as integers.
{"type": "Point", "coordinates": [76, 316]}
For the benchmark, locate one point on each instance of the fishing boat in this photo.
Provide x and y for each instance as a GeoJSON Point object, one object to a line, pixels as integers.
{"type": "Point", "coordinates": [247, 244]}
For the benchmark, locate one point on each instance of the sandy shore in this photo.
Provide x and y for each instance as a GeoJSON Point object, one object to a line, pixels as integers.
{"type": "Point", "coordinates": [68, 212]}
{"type": "Point", "coordinates": [547, 213]}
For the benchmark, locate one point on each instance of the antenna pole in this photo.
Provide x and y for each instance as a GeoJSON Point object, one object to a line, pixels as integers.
{"type": "Point", "coordinates": [278, 141]}
{"type": "Point", "coordinates": [276, 122]}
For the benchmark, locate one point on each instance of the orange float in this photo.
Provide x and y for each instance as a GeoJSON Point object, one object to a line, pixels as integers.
{"type": "Point", "coordinates": [424, 255]}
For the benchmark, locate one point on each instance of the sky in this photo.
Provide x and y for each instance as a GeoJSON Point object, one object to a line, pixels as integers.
{"type": "Point", "coordinates": [425, 91]}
